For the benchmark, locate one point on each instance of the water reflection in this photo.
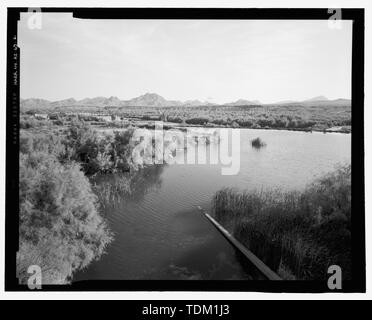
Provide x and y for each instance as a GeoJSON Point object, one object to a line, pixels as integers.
{"type": "Point", "coordinates": [112, 189]}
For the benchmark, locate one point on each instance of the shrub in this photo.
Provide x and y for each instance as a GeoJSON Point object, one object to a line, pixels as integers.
{"type": "Point", "coordinates": [245, 123]}
{"type": "Point", "coordinates": [99, 154]}
{"type": "Point", "coordinates": [265, 122]}
{"type": "Point", "coordinates": [50, 143]}
{"type": "Point", "coordinates": [220, 122]}
{"type": "Point", "coordinates": [175, 119]}
{"type": "Point", "coordinates": [60, 228]}
{"type": "Point", "coordinates": [29, 123]}
{"type": "Point", "coordinates": [122, 149]}
{"type": "Point", "coordinates": [151, 118]}
{"type": "Point", "coordinates": [197, 121]}
{"type": "Point", "coordinates": [280, 123]}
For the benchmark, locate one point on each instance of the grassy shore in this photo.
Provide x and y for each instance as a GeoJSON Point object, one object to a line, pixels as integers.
{"type": "Point", "coordinates": [297, 234]}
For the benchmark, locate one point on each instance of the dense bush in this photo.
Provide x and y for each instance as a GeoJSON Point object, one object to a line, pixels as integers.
{"type": "Point", "coordinates": [50, 143]}
{"type": "Point", "coordinates": [219, 122]}
{"type": "Point", "coordinates": [175, 119]}
{"type": "Point", "coordinates": [266, 122]}
{"type": "Point", "coordinates": [121, 150]}
{"type": "Point", "coordinates": [151, 118]}
{"type": "Point", "coordinates": [245, 123]}
{"type": "Point", "coordinates": [82, 145]}
{"type": "Point", "coordinates": [60, 227]}
{"type": "Point", "coordinates": [298, 234]}
{"type": "Point", "coordinates": [99, 153]}
{"type": "Point", "coordinates": [200, 121]}
{"type": "Point", "coordinates": [29, 123]}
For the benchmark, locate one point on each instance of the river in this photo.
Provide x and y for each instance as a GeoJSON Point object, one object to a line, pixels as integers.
{"type": "Point", "coordinates": [160, 233]}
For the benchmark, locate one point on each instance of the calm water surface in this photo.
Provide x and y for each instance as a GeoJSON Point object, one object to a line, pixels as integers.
{"type": "Point", "coordinates": [160, 234]}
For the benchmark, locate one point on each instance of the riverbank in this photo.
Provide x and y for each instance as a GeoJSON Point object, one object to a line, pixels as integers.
{"type": "Point", "coordinates": [297, 234]}
{"type": "Point", "coordinates": [183, 127]}
{"type": "Point", "coordinates": [61, 228]}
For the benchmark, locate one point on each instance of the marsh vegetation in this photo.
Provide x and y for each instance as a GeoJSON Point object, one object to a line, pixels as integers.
{"type": "Point", "coordinates": [257, 143]}
{"type": "Point", "coordinates": [61, 228]}
{"type": "Point", "coordinates": [297, 234]}
{"type": "Point", "coordinates": [74, 177]}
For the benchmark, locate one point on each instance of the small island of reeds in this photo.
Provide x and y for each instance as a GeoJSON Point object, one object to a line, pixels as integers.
{"type": "Point", "coordinates": [258, 143]}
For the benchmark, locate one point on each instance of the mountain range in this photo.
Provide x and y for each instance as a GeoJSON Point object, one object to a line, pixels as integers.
{"type": "Point", "coordinates": [155, 100]}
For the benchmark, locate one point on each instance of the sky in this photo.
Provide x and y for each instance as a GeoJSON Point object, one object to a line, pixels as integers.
{"type": "Point", "coordinates": [210, 60]}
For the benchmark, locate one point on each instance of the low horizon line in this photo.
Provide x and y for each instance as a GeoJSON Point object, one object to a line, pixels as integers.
{"type": "Point", "coordinates": [191, 99]}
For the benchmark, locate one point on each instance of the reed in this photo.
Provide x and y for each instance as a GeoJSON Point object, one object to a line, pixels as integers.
{"type": "Point", "coordinates": [111, 190]}
{"type": "Point", "coordinates": [297, 234]}
{"type": "Point", "coordinates": [257, 143]}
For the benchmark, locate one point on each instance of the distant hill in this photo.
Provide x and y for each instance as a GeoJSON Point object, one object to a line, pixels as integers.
{"type": "Point", "coordinates": [242, 102]}
{"type": "Point", "coordinates": [333, 103]}
{"type": "Point", "coordinates": [100, 101]}
{"type": "Point", "coordinates": [316, 101]}
{"type": "Point", "coordinates": [150, 100]}
{"type": "Point", "coordinates": [285, 102]}
{"type": "Point", "coordinates": [155, 100]}
{"type": "Point", "coordinates": [62, 103]}
{"type": "Point", "coordinates": [318, 98]}
{"type": "Point", "coordinates": [34, 103]}
{"type": "Point", "coordinates": [195, 103]}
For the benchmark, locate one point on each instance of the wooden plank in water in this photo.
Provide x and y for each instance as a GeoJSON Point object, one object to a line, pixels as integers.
{"type": "Point", "coordinates": [263, 268]}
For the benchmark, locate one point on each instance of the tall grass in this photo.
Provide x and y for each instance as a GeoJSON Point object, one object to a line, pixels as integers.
{"type": "Point", "coordinates": [297, 234]}
{"type": "Point", "coordinates": [110, 191]}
